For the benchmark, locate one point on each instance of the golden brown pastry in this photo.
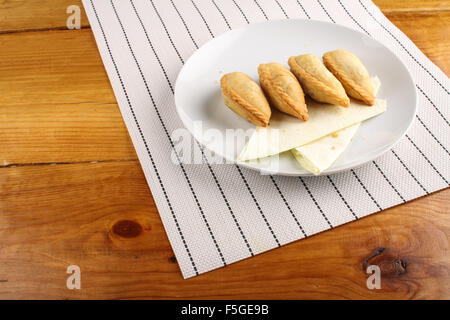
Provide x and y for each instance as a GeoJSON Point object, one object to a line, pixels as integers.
{"type": "Point", "coordinates": [244, 96]}
{"type": "Point", "coordinates": [351, 73]}
{"type": "Point", "coordinates": [317, 81]}
{"type": "Point", "coordinates": [283, 89]}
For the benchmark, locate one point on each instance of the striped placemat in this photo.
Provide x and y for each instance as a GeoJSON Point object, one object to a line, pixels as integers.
{"type": "Point", "coordinates": [215, 214]}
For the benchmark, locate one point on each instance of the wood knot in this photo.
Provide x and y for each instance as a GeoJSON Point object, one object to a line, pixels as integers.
{"type": "Point", "coordinates": [390, 265]}
{"type": "Point", "coordinates": [172, 259]}
{"type": "Point", "coordinates": [127, 228]}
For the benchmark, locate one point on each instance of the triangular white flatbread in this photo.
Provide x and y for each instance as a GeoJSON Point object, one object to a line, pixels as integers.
{"type": "Point", "coordinates": [285, 132]}
{"type": "Point", "coordinates": [319, 155]}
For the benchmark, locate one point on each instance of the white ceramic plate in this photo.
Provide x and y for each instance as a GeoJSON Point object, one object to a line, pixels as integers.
{"type": "Point", "coordinates": [198, 95]}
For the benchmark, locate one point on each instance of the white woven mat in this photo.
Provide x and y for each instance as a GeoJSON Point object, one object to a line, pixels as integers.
{"type": "Point", "coordinates": [215, 215]}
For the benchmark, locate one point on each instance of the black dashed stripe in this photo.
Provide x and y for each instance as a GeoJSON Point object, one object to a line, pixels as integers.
{"type": "Point", "coordinates": [365, 189]}
{"type": "Point", "coordinates": [315, 202]}
{"type": "Point", "coordinates": [200, 147]}
{"type": "Point", "coordinates": [167, 32]}
{"type": "Point", "coordinates": [265, 16]}
{"type": "Point", "coordinates": [432, 103]}
{"type": "Point", "coordinates": [356, 176]}
{"type": "Point", "coordinates": [416, 86]}
{"type": "Point", "coordinates": [273, 180]}
{"type": "Point", "coordinates": [431, 133]}
{"type": "Point", "coordinates": [325, 10]}
{"type": "Point", "coordinates": [221, 13]}
{"type": "Point", "coordinates": [348, 13]}
{"type": "Point", "coordinates": [304, 184]}
{"type": "Point", "coordinates": [184, 23]}
{"type": "Point", "coordinates": [258, 206]}
{"type": "Point", "coordinates": [354, 20]}
{"type": "Point", "coordinates": [216, 180]}
{"type": "Point", "coordinates": [392, 186]}
{"type": "Point", "coordinates": [409, 171]}
{"type": "Point", "coordinates": [303, 9]}
{"type": "Point", "coordinates": [404, 48]}
{"type": "Point", "coordinates": [145, 142]}
{"type": "Point", "coordinates": [240, 172]}
{"type": "Point", "coordinates": [230, 209]}
{"type": "Point", "coordinates": [420, 120]}
{"type": "Point", "coordinates": [354, 173]}
{"type": "Point", "coordinates": [422, 66]}
{"type": "Point", "coordinates": [426, 158]}
{"type": "Point", "coordinates": [203, 18]}
{"type": "Point", "coordinates": [151, 45]}
{"type": "Point", "coordinates": [282, 9]}
{"type": "Point", "coordinates": [342, 198]}
{"type": "Point", "coordinates": [288, 206]}
{"type": "Point", "coordinates": [242, 12]}
{"type": "Point", "coordinates": [170, 140]}
{"type": "Point", "coordinates": [416, 115]}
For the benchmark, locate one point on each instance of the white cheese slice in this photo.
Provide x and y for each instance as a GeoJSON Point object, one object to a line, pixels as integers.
{"type": "Point", "coordinates": [286, 132]}
{"type": "Point", "coordinates": [319, 155]}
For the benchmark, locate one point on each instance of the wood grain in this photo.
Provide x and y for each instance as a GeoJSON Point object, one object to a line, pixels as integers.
{"type": "Point", "coordinates": [56, 216]}
{"type": "Point", "coordinates": [28, 15]}
{"type": "Point", "coordinates": [389, 6]}
{"type": "Point", "coordinates": [93, 208]}
{"type": "Point", "coordinates": [77, 119]}
{"type": "Point", "coordinates": [430, 32]}
{"type": "Point", "coordinates": [60, 106]}
{"type": "Point", "coordinates": [52, 67]}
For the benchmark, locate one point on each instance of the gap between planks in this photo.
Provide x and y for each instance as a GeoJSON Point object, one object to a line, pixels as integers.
{"type": "Point", "coordinates": [14, 165]}
{"type": "Point", "coordinates": [42, 29]}
{"type": "Point", "coordinates": [393, 11]}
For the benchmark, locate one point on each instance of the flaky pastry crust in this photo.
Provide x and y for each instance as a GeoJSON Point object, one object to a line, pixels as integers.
{"type": "Point", "coordinates": [283, 90]}
{"type": "Point", "coordinates": [350, 71]}
{"type": "Point", "coordinates": [317, 81]}
{"type": "Point", "coordinates": [244, 96]}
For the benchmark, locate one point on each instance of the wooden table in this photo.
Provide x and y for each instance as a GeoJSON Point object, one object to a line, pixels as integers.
{"type": "Point", "coordinates": [69, 178]}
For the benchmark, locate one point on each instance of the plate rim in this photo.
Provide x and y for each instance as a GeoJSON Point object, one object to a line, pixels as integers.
{"type": "Point", "coordinates": [330, 170]}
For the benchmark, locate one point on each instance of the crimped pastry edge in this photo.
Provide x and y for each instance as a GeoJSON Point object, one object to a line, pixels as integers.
{"type": "Point", "coordinates": [258, 116]}
{"type": "Point", "coordinates": [266, 76]}
{"type": "Point", "coordinates": [363, 95]}
{"type": "Point", "coordinates": [296, 68]}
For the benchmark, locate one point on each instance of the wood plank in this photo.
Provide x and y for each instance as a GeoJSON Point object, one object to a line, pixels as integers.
{"type": "Point", "coordinates": [56, 83]}
{"type": "Point", "coordinates": [52, 67]}
{"type": "Point", "coordinates": [429, 32]}
{"type": "Point", "coordinates": [56, 216]}
{"type": "Point", "coordinates": [59, 99]}
{"type": "Point", "coordinates": [25, 15]}
{"type": "Point", "coordinates": [60, 106]}
{"type": "Point", "coordinates": [49, 133]}
{"type": "Point", "coordinates": [389, 6]}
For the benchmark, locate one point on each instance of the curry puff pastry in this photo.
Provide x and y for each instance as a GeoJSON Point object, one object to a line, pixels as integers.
{"type": "Point", "coordinates": [283, 89]}
{"type": "Point", "coordinates": [244, 96]}
{"type": "Point", "coordinates": [351, 73]}
{"type": "Point", "coordinates": [317, 81]}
